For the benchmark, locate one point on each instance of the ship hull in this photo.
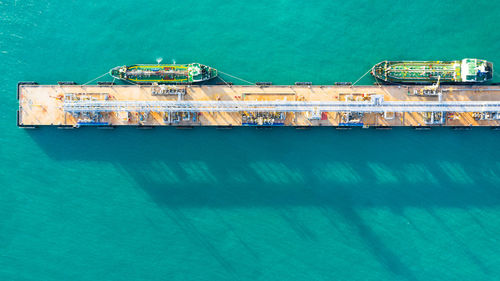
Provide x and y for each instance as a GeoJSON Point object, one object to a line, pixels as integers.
{"type": "Point", "coordinates": [164, 73]}
{"type": "Point", "coordinates": [466, 71]}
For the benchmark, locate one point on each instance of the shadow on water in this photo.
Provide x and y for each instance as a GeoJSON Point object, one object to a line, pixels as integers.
{"type": "Point", "coordinates": [384, 255]}
{"type": "Point", "coordinates": [334, 171]}
{"type": "Point", "coordinates": [463, 244]}
{"type": "Point", "coordinates": [284, 166]}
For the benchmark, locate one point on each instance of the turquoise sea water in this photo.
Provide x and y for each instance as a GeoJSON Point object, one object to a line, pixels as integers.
{"type": "Point", "coordinates": [245, 204]}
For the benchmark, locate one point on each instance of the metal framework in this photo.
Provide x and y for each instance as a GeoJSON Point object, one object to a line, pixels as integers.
{"type": "Point", "coordinates": [375, 105]}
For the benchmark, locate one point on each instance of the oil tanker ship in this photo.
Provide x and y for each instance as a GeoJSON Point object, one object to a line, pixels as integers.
{"type": "Point", "coordinates": [164, 73]}
{"type": "Point", "coordinates": [466, 71]}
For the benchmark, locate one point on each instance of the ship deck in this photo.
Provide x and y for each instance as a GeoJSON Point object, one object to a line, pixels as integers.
{"type": "Point", "coordinates": [224, 105]}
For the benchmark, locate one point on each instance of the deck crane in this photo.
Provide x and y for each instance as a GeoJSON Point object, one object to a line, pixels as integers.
{"type": "Point", "coordinates": [430, 90]}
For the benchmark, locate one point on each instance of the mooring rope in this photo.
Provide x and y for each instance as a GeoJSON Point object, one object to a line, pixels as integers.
{"type": "Point", "coordinates": [361, 77]}
{"type": "Point", "coordinates": [237, 78]}
{"type": "Point", "coordinates": [97, 78]}
{"type": "Point", "coordinates": [224, 81]}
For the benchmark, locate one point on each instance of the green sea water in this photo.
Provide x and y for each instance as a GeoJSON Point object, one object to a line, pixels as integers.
{"type": "Point", "coordinates": [244, 204]}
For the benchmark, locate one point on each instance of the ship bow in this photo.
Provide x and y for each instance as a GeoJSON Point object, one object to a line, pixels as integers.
{"type": "Point", "coordinates": [378, 71]}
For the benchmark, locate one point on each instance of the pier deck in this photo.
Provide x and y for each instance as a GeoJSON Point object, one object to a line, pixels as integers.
{"type": "Point", "coordinates": [221, 105]}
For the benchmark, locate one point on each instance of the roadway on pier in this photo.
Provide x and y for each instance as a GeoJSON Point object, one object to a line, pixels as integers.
{"type": "Point", "coordinates": [280, 106]}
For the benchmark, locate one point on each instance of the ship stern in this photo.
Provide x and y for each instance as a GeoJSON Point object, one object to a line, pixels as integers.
{"type": "Point", "coordinates": [209, 72]}
{"type": "Point", "coordinates": [212, 72]}
{"type": "Point", "coordinates": [489, 70]}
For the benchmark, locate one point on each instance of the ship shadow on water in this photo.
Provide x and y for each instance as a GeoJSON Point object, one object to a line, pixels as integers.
{"type": "Point", "coordinates": [214, 81]}
{"type": "Point", "coordinates": [337, 172]}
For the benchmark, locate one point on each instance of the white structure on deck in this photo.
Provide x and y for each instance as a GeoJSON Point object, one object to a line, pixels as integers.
{"type": "Point", "coordinates": [377, 104]}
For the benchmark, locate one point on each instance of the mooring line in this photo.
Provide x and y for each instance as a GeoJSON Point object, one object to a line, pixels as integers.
{"type": "Point", "coordinates": [97, 78]}
{"type": "Point", "coordinates": [361, 77]}
{"type": "Point", "coordinates": [251, 83]}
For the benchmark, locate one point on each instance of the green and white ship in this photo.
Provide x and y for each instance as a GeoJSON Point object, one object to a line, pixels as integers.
{"type": "Point", "coordinates": [466, 71]}
{"type": "Point", "coordinates": [164, 73]}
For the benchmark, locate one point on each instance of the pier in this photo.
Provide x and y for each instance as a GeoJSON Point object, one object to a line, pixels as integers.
{"type": "Point", "coordinates": [300, 105]}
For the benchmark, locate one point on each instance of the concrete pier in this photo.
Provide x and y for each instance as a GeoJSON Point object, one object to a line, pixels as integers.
{"type": "Point", "coordinates": [69, 105]}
